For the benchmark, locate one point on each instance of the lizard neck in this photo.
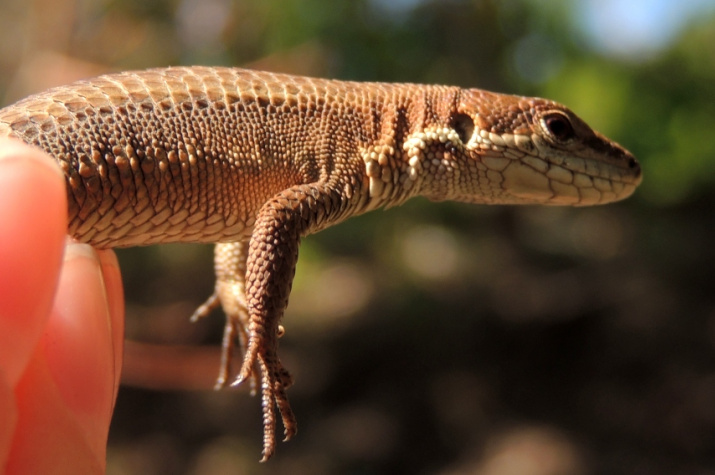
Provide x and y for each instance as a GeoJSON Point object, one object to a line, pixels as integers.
{"type": "Point", "coordinates": [398, 164]}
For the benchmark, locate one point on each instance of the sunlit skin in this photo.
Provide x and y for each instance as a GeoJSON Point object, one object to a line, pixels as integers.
{"type": "Point", "coordinates": [61, 326]}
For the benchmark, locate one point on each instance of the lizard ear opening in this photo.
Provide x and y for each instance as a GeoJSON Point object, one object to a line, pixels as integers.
{"type": "Point", "coordinates": [463, 124]}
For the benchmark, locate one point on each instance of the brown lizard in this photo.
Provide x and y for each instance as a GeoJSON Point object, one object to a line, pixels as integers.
{"type": "Point", "coordinates": [254, 161]}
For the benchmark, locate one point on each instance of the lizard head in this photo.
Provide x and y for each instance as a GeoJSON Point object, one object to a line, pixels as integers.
{"type": "Point", "coordinates": [528, 150]}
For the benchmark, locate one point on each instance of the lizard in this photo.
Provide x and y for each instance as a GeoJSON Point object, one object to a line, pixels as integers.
{"type": "Point", "coordinates": [254, 161]}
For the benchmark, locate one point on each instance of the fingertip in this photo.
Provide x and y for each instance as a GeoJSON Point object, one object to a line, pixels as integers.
{"type": "Point", "coordinates": [78, 341]}
{"type": "Point", "coordinates": [66, 393]}
{"type": "Point", "coordinates": [29, 156]}
{"type": "Point", "coordinates": [34, 222]}
{"type": "Point", "coordinates": [8, 415]}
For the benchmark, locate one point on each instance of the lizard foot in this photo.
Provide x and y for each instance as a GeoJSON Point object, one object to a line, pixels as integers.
{"type": "Point", "coordinates": [275, 379]}
{"type": "Point", "coordinates": [234, 330]}
{"type": "Point", "coordinates": [260, 361]}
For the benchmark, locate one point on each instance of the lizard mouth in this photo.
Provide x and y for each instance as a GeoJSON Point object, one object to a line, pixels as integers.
{"type": "Point", "coordinates": [578, 173]}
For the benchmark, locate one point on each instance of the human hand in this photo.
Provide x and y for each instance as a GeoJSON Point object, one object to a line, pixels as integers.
{"type": "Point", "coordinates": [61, 326]}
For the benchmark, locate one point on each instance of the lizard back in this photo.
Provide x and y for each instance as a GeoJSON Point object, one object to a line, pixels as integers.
{"type": "Point", "coordinates": [190, 154]}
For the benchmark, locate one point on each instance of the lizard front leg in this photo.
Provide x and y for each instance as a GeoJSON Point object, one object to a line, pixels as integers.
{"type": "Point", "coordinates": [272, 256]}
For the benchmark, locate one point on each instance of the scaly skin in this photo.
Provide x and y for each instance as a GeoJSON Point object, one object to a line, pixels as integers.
{"type": "Point", "coordinates": [254, 161]}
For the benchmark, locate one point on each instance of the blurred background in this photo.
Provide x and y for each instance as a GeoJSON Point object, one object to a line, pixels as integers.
{"type": "Point", "coordinates": [436, 338]}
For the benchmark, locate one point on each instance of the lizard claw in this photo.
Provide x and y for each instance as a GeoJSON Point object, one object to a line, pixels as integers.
{"type": "Point", "coordinates": [261, 357]}
{"type": "Point", "coordinates": [274, 381]}
{"type": "Point", "coordinates": [205, 308]}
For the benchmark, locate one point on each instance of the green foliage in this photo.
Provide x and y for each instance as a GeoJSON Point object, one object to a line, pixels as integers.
{"type": "Point", "coordinates": [674, 118]}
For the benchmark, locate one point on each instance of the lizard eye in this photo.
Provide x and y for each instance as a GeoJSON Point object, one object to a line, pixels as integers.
{"type": "Point", "coordinates": [464, 126]}
{"type": "Point", "coordinates": [559, 126]}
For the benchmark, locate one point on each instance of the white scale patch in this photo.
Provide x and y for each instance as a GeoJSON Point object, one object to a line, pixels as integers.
{"type": "Point", "coordinates": [417, 144]}
{"type": "Point", "coordinates": [390, 179]}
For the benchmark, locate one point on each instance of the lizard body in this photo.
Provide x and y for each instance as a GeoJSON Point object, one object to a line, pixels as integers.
{"type": "Point", "coordinates": [254, 161]}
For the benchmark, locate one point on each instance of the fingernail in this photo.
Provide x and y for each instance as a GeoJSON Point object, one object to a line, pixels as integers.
{"type": "Point", "coordinates": [74, 250]}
